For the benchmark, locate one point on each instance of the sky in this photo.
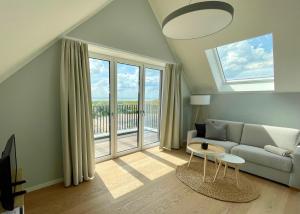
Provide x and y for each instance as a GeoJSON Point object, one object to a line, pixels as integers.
{"type": "Point", "coordinates": [248, 59]}
{"type": "Point", "coordinates": [127, 81]}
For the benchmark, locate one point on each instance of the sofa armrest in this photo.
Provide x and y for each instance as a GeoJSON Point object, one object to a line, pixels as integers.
{"type": "Point", "coordinates": [191, 134]}
{"type": "Point", "coordinates": [295, 175]}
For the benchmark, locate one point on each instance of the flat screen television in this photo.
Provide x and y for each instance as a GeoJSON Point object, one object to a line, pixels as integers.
{"type": "Point", "coordinates": [8, 175]}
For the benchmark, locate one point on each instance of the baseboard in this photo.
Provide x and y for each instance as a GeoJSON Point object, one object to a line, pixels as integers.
{"type": "Point", "coordinates": [43, 185]}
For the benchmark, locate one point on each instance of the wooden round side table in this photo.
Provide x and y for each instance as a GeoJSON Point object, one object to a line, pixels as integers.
{"type": "Point", "coordinates": [231, 160]}
{"type": "Point", "coordinates": [195, 147]}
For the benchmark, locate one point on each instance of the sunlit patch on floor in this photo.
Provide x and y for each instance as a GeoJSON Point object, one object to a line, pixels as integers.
{"type": "Point", "coordinates": [165, 156]}
{"type": "Point", "coordinates": [117, 187]}
{"type": "Point", "coordinates": [150, 168]}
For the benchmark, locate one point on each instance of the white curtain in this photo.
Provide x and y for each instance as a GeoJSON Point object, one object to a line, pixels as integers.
{"type": "Point", "coordinates": [76, 109]}
{"type": "Point", "coordinates": [171, 108]}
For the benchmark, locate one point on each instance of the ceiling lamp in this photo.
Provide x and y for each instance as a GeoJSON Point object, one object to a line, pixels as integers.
{"type": "Point", "coordinates": [198, 20]}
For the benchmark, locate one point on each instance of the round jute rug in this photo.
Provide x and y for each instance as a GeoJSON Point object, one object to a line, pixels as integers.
{"type": "Point", "coordinates": [223, 189]}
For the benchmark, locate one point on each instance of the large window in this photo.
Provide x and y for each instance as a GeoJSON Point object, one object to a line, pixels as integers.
{"type": "Point", "coordinates": [247, 60]}
{"type": "Point", "coordinates": [125, 105]}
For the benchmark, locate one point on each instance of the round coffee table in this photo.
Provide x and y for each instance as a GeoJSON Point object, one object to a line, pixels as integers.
{"type": "Point", "coordinates": [232, 160]}
{"type": "Point", "coordinates": [195, 147]}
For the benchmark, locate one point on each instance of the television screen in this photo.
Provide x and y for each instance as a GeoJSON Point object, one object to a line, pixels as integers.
{"type": "Point", "coordinates": [10, 150]}
{"type": "Point", "coordinates": [8, 174]}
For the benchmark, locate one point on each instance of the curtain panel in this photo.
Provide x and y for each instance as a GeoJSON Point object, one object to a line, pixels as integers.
{"type": "Point", "coordinates": [76, 113]}
{"type": "Point", "coordinates": [171, 108]}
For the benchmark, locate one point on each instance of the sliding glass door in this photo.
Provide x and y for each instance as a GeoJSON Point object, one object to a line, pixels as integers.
{"type": "Point", "coordinates": [128, 113]}
{"type": "Point", "coordinates": [126, 106]}
{"type": "Point", "coordinates": [152, 88]}
{"type": "Point", "coordinates": [100, 89]}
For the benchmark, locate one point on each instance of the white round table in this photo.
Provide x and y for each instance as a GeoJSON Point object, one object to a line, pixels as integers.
{"type": "Point", "coordinates": [231, 160]}
{"type": "Point", "coordinates": [195, 147]}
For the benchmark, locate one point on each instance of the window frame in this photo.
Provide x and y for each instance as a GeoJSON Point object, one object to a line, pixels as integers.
{"type": "Point", "coordinates": [114, 60]}
{"type": "Point", "coordinates": [247, 80]}
{"type": "Point", "coordinates": [161, 71]}
{"type": "Point", "coordinates": [253, 85]}
{"type": "Point", "coordinates": [241, 81]}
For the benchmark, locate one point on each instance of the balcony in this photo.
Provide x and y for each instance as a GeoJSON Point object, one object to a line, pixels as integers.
{"type": "Point", "coordinates": [127, 126]}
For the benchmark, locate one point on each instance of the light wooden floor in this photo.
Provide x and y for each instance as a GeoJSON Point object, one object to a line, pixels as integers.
{"type": "Point", "coordinates": [145, 182]}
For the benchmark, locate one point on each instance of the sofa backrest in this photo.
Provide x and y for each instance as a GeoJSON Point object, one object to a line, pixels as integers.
{"type": "Point", "coordinates": [261, 135]}
{"type": "Point", "coordinates": [234, 129]}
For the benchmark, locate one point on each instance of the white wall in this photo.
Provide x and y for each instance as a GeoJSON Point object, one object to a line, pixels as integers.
{"type": "Point", "coordinates": [127, 25]}
{"type": "Point", "coordinates": [30, 110]}
{"type": "Point", "coordinates": [278, 109]}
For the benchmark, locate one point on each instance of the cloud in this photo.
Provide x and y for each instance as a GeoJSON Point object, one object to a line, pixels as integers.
{"type": "Point", "coordinates": [250, 58]}
{"type": "Point", "coordinates": [99, 70]}
{"type": "Point", "coordinates": [127, 82]}
{"type": "Point", "coordinates": [152, 84]}
{"type": "Point", "coordinates": [100, 89]}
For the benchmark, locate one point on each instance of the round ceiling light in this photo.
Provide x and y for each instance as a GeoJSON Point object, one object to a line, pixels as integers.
{"type": "Point", "coordinates": [198, 20]}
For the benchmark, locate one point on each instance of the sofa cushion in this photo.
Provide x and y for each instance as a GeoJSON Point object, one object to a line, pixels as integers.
{"type": "Point", "coordinates": [200, 127]}
{"type": "Point", "coordinates": [227, 145]}
{"type": "Point", "coordinates": [216, 131]}
{"type": "Point", "coordinates": [261, 135]}
{"type": "Point", "coordinates": [262, 157]}
{"type": "Point", "coordinates": [234, 129]}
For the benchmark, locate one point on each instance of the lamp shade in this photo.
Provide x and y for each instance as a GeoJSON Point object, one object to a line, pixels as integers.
{"type": "Point", "coordinates": [198, 20]}
{"type": "Point", "coordinates": [200, 99]}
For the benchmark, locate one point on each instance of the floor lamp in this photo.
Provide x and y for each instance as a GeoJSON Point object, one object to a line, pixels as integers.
{"type": "Point", "coordinates": [199, 100]}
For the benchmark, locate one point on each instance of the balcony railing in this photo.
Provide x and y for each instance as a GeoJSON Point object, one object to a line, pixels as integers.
{"type": "Point", "coordinates": [128, 118]}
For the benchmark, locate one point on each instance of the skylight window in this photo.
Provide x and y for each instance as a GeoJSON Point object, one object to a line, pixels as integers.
{"type": "Point", "coordinates": [247, 60]}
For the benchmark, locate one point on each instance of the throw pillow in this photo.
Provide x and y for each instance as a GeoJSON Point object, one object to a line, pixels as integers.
{"type": "Point", "coordinates": [200, 127]}
{"type": "Point", "coordinates": [216, 131]}
{"type": "Point", "coordinates": [278, 150]}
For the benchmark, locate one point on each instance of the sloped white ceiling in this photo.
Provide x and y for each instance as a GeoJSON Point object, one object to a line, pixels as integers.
{"type": "Point", "coordinates": [252, 18]}
{"type": "Point", "coordinates": [27, 26]}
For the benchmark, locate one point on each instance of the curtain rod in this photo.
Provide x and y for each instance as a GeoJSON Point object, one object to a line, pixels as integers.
{"type": "Point", "coordinates": [115, 49]}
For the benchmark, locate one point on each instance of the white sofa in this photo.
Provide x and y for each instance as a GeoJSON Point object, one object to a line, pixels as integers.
{"type": "Point", "coordinates": [248, 141]}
